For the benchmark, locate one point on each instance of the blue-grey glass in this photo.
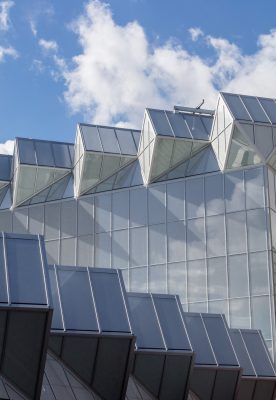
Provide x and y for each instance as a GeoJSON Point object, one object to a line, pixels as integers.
{"type": "Point", "coordinates": [136, 136]}
{"type": "Point", "coordinates": [3, 282]}
{"type": "Point", "coordinates": [6, 200]}
{"type": "Point", "coordinates": [257, 230]}
{"type": "Point", "coordinates": [215, 235]}
{"type": "Point", "coordinates": [68, 250]}
{"type": "Point", "coordinates": [109, 301]}
{"type": "Point", "coordinates": [171, 323]}
{"type": "Point", "coordinates": [239, 313]}
{"type": "Point", "coordinates": [106, 185]}
{"type": "Point", "coordinates": [157, 244]}
{"type": "Point", "coordinates": [176, 239]}
{"type": "Point", "coordinates": [63, 155]}
{"type": "Point", "coordinates": [138, 279]}
{"type": "Point", "coordinates": [91, 137]}
{"type": "Point", "coordinates": [68, 218]}
{"type": "Point", "coordinates": [44, 153]}
{"type": "Point", "coordinates": [195, 239]}
{"type": "Point", "coordinates": [194, 198]}
{"type": "Point", "coordinates": [258, 267]}
{"type": "Point", "coordinates": [26, 151]}
{"type": "Point", "coordinates": [236, 107]}
{"type": "Point", "coordinates": [175, 201]}
{"type": "Point", "coordinates": [124, 176]}
{"type": "Point", "coordinates": [3, 194]}
{"type": "Point", "coordinates": [57, 189]}
{"type": "Point", "coordinates": [197, 280]}
{"type": "Point", "coordinates": [258, 355]}
{"type": "Point", "coordinates": [5, 167]}
{"type": "Point", "coordinates": [138, 207]}
{"type": "Point", "coordinates": [52, 221]}
{"type": "Point", "coordinates": [203, 162]}
{"type": "Point", "coordinates": [36, 220]}
{"type": "Point", "coordinates": [199, 339]}
{"type": "Point", "coordinates": [158, 278]}
{"type": "Point", "coordinates": [254, 188]}
{"type": "Point", "coordinates": [241, 352]}
{"type": "Point", "coordinates": [109, 140]}
{"type": "Point", "coordinates": [217, 278]}
{"type": "Point", "coordinates": [234, 191]}
{"type": "Point", "coordinates": [196, 127]}
{"type": "Point", "coordinates": [219, 307]}
{"type": "Point", "coordinates": [126, 142]}
{"type": "Point", "coordinates": [138, 246]}
{"type": "Point", "coordinates": [86, 216]}
{"type": "Point", "coordinates": [102, 250]}
{"type": "Point", "coordinates": [236, 232]}
{"type": "Point", "coordinates": [41, 197]}
{"type": "Point", "coordinates": [178, 124]}
{"type": "Point", "coordinates": [52, 251]}
{"type": "Point", "coordinates": [144, 322]}
{"type": "Point", "coordinates": [120, 210]}
{"type": "Point", "coordinates": [214, 194]}
{"type": "Point", "coordinates": [137, 175]}
{"type": "Point", "coordinates": [156, 204]}
{"type": "Point", "coordinates": [269, 106]}
{"type": "Point", "coordinates": [20, 220]}
{"type": "Point", "coordinates": [85, 247]}
{"type": "Point", "coordinates": [177, 280]}
{"type": "Point", "coordinates": [160, 122]}
{"type": "Point", "coordinates": [219, 339]}
{"type": "Point", "coordinates": [254, 108]}
{"type": "Point", "coordinates": [264, 139]}
{"type": "Point", "coordinates": [120, 252]}
{"type": "Point", "coordinates": [207, 122]}
{"type": "Point", "coordinates": [6, 221]}
{"type": "Point", "coordinates": [261, 315]}
{"type": "Point", "coordinates": [102, 213]}
{"type": "Point", "coordinates": [238, 275]}
{"type": "Point", "coordinates": [26, 277]}
{"type": "Point", "coordinates": [77, 303]}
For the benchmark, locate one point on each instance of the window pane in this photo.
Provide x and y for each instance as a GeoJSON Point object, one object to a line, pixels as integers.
{"type": "Point", "coordinates": [239, 313]}
{"type": "Point", "coordinates": [217, 278]}
{"type": "Point", "coordinates": [52, 221]}
{"type": "Point", "coordinates": [156, 198]}
{"type": "Point", "coordinates": [102, 213]}
{"type": "Point", "coordinates": [120, 210]}
{"type": "Point", "coordinates": [236, 107]}
{"type": "Point", "coordinates": [44, 153]}
{"type": "Point", "coordinates": [126, 141]}
{"type": "Point", "coordinates": [254, 186]}
{"type": "Point", "coordinates": [195, 239]}
{"type": "Point", "coordinates": [257, 231]}
{"type": "Point", "coordinates": [269, 106]}
{"type": "Point", "coordinates": [85, 251]}
{"type": "Point", "coordinates": [215, 234]}
{"type": "Point", "coordinates": [258, 269]}
{"type": "Point", "coordinates": [254, 108]}
{"type": "Point", "coordinates": [238, 276]}
{"type": "Point", "coordinates": [109, 140]}
{"type": "Point", "coordinates": [120, 249]}
{"type": "Point", "coordinates": [160, 122]}
{"type": "Point", "coordinates": [157, 244]}
{"type": "Point", "coordinates": [236, 232]}
{"type": "Point", "coordinates": [261, 315]}
{"type": "Point", "coordinates": [85, 216]}
{"type": "Point", "coordinates": [214, 194]}
{"type": "Point", "coordinates": [194, 198]}
{"type": "Point", "coordinates": [157, 279]}
{"type": "Point", "coordinates": [176, 241]}
{"type": "Point", "coordinates": [175, 201]}
{"type": "Point", "coordinates": [197, 281]}
{"type": "Point", "coordinates": [138, 246]}
{"type": "Point", "coordinates": [68, 218]}
{"type": "Point", "coordinates": [102, 250]}
{"type": "Point", "coordinates": [234, 191]}
{"type": "Point", "coordinates": [138, 279]}
{"type": "Point", "coordinates": [68, 251]}
{"type": "Point", "coordinates": [177, 280]}
{"type": "Point", "coordinates": [138, 207]}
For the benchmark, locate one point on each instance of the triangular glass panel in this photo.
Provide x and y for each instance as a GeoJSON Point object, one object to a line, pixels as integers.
{"type": "Point", "coordinates": [203, 162]}
{"type": "Point", "coordinates": [162, 157]}
{"type": "Point", "coordinates": [181, 152]}
{"type": "Point", "coordinates": [6, 200]}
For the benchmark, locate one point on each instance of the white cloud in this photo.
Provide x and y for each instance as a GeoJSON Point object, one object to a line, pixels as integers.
{"type": "Point", "coordinates": [48, 45]}
{"type": "Point", "coordinates": [5, 7]}
{"type": "Point", "coordinates": [7, 51]}
{"type": "Point", "coordinates": [7, 147]}
{"type": "Point", "coordinates": [195, 33]}
{"type": "Point", "coordinates": [118, 72]}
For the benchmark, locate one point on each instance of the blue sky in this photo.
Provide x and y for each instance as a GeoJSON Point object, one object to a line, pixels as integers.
{"type": "Point", "coordinates": [68, 61]}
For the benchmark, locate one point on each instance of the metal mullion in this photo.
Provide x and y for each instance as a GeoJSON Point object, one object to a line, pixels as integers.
{"type": "Point", "coordinates": [226, 247]}
{"type": "Point", "coordinates": [43, 270]}
{"type": "Point", "coordinates": [240, 332]}
{"type": "Point", "coordinates": [247, 254]}
{"type": "Point", "coordinates": [6, 267]}
{"type": "Point", "coordinates": [166, 232]}
{"type": "Point", "coordinates": [205, 237]}
{"type": "Point", "coordinates": [59, 298]}
{"type": "Point", "coordinates": [263, 110]}
{"type": "Point", "coordinates": [215, 358]}
{"type": "Point", "coordinates": [93, 299]}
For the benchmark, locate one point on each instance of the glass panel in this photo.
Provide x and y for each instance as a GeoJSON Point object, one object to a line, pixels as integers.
{"type": "Point", "coordinates": [52, 221]}
{"type": "Point", "coordinates": [57, 190]}
{"type": "Point", "coordinates": [20, 220]}
{"type": "Point", "coordinates": [239, 313]}
{"type": "Point", "coordinates": [238, 276]}
{"type": "Point", "coordinates": [109, 140]}
{"type": "Point", "coordinates": [120, 210]}
{"type": "Point", "coordinates": [86, 216]}
{"type": "Point", "coordinates": [138, 246]}
{"type": "Point", "coordinates": [119, 247]}
{"type": "Point", "coordinates": [25, 183]}
{"type": "Point", "coordinates": [36, 220]}
{"type": "Point", "coordinates": [62, 155]}
{"type": "Point", "coordinates": [162, 156]}
{"type": "Point", "coordinates": [181, 151]}
{"type": "Point", "coordinates": [178, 124]}
{"type": "Point", "coordinates": [269, 106]}
{"type": "Point", "coordinates": [102, 250]}
{"type": "Point", "coordinates": [234, 191]}
{"type": "Point", "coordinates": [5, 167]}
{"type": "Point", "coordinates": [241, 153]}
{"type": "Point", "coordinates": [236, 232]}
{"type": "Point", "coordinates": [195, 239]}
{"type": "Point", "coordinates": [254, 108]}
{"type": "Point", "coordinates": [194, 198]}
{"type": "Point", "coordinates": [257, 230]}
{"type": "Point", "coordinates": [175, 201]}
{"type": "Point", "coordinates": [44, 178]}
{"type": "Point", "coordinates": [91, 137]}
{"type": "Point", "coordinates": [68, 250]}
{"type": "Point", "coordinates": [102, 213]}
{"type": "Point", "coordinates": [91, 171]}
{"type": "Point", "coordinates": [264, 139]}
{"type": "Point", "coordinates": [214, 194]}
{"type": "Point", "coordinates": [258, 267]}
{"type": "Point", "coordinates": [203, 162]}
{"type": "Point", "coordinates": [261, 319]}
{"type": "Point", "coordinates": [156, 203]}
{"type": "Point", "coordinates": [197, 281]}
{"type": "Point", "coordinates": [52, 251]}
{"type": "Point", "coordinates": [76, 297]}
{"type": "Point", "coordinates": [242, 354]}
{"type": "Point", "coordinates": [157, 244]}
{"type": "Point", "coordinates": [25, 268]}
{"type": "Point", "coordinates": [196, 127]}
{"type": "Point", "coordinates": [136, 137]}
{"type": "Point", "coordinates": [138, 207]}
{"type": "Point", "coordinates": [26, 151]}
{"type": "Point", "coordinates": [85, 247]}
{"type": "Point", "coordinates": [126, 141]}
{"type": "Point", "coordinates": [177, 280]}
{"type": "Point", "coordinates": [109, 301]}
{"type": "Point", "coordinates": [110, 165]}
{"type": "Point", "coordinates": [254, 188]}
{"type": "Point", "coordinates": [215, 234]}
{"type": "Point", "coordinates": [138, 279]}
{"type": "Point", "coordinates": [44, 153]}
{"type": "Point", "coordinates": [219, 307]}
{"type": "Point", "coordinates": [145, 323]}
{"type": "Point", "coordinates": [236, 106]}
{"type": "Point", "coordinates": [3, 283]}
{"type": "Point", "coordinates": [176, 232]}
{"type": "Point", "coordinates": [217, 278]}
{"type": "Point", "coordinates": [160, 122]}
{"type": "Point", "coordinates": [68, 218]}
{"type": "Point", "coordinates": [157, 279]}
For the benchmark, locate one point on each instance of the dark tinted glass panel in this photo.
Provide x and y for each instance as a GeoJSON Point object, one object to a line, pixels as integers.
{"type": "Point", "coordinates": [242, 353]}
{"type": "Point", "coordinates": [62, 155]}
{"type": "Point", "coordinates": [269, 106]}
{"type": "Point", "coordinates": [178, 125]}
{"type": "Point", "coordinates": [3, 284]}
{"type": "Point", "coordinates": [236, 107]}
{"type": "Point", "coordinates": [148, 369]}
{"type": "Point", "coordinates": [196, 127]}
{"type": "Point", "coordinates": [26, 151]}
{"type": "Point", "coordinates": [91, 138]}
{"type": "Point", "coordinates": [126, 142]}
{"type": "Point", "coordinates": [57, 317]}
{"type": "Point", "coordinates": [160, 122]}
{"type": "Point", "coordinates": [44, 153]}
{"type": "Point", "coordinates": [5, 167]}
{"type": "Point", "coordinates": [254, 108]}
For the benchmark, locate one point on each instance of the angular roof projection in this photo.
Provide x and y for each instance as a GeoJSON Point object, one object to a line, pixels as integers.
{"type": "Point", "coordinates": [244, 130]}
{"type": "Point", "coordinates": [169, 138]}
{"type": "Point", "coordinates": [100, 151]}
{"type": "Point", "coordinates": [258, 380]}
{"type": "Point", "coordinates": [25, 312]}
{"type": "Point", "coordinates": [216, 370]}
{"type": "Point", "coordinates": [163, 356]}
{"type": "Point", "coordinates": [38, 164]}
{"type": "Point", "coordinates": [90, 329]}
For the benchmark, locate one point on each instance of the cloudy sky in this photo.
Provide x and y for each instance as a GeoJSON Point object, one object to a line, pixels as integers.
{"type": "Point", "coordinates": [69, 61]}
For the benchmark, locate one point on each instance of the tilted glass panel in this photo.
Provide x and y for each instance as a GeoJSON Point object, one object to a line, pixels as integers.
{"type": "Point", "coordinates": [109, 301]}
{"type": "Point", "coordinates": [109, 140]}
{"type": "Point", "coordinates": [57, 190]}
{"type": "Point", "coordinates": [26, 151]}
{"type": "Point", "coordinates": [5, 167]}
{"type": "Point", "coordinates": [144, 322]}
{"type": "Point", "coordinates": [241, 352]}
{"type": "Point", "coordinates": [25, 183]}
{"type": "Point", "coordinates": [126, 142]}
{"type": "Point", "coordinates": [57, 322]}
{"type": "Point", "coordinates": [269, 106]}
{"type": "Point", "coordinates": [44, 153]}
{"type": "Point", "coordinates": [62, 155]}
{"type": "Point", "coordinates": [181, 151]}
{"type": "Point", "coordinates": [258, 355]}
{"type": "Point", "coordinates": [136, 137]}
{"type": "Point", "coordinates": [203, 162]}
{"type": "Point", "coordinates": [44, 177]}
{"type": "Point", "coordinates": [196, 127]}
{"type": "Point", "coordinates": [236, 107]}
{"type": "Point", "coordinates": [110, 165]}
{"type": "Point", "coordinates": [76, 297]}
{"type": "Point", "coordinates": [3, 282]}
{"type": "Point", "coordinates": [171, 323]}
{"type": "Point", "coordinates": [254, 108]}
{"type": "Point", "coordinates": [178, 124]}
{"type": "Point", "coordinates": [264, 139]}
{"type": "Point", "coordinates": [91, 138]}
{"type": "Point", "coordinates": [91, 171]}
{"type": "Point", "coordinates": [207, 122]}
{"type": "Point", "coordinates": [160, 122]}
{"type": "Point", "coordinates": [162, 157]}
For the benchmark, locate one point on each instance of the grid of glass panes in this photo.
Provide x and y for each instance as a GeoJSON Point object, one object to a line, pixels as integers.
{"type": "Point", "coordinates": [205, 238]}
